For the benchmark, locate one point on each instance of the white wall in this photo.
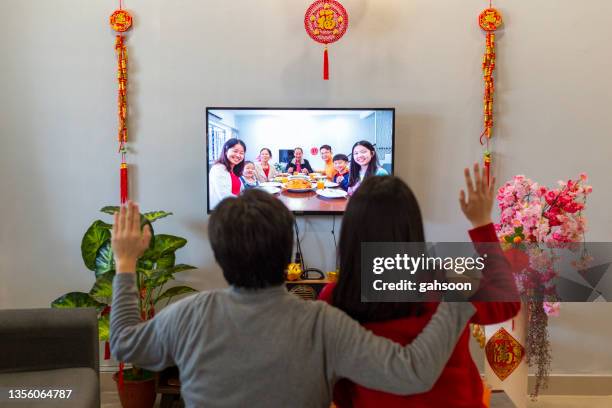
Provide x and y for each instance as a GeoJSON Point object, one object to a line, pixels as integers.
{"type": "Point", "coordinates": [57, 158]}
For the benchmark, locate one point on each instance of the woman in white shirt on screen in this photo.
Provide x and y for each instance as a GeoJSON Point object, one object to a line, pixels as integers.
{"type": "Point", "coordinates": [364, 164]}
{"type": "Point", "coordinates": [264, 170]}
{"type": "Point", "coordinates": [224, 176]}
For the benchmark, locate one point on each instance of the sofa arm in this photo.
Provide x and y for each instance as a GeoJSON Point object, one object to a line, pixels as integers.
{"type": "Point", "coordinates": [42, 339]}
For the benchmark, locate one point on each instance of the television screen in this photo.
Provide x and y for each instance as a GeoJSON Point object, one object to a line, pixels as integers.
{"type": "Point", "coordinates": [311, 159]}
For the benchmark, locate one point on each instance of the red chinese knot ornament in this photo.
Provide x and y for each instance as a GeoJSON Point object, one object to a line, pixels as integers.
{"type": "Point", "coordinates": [490, 19]}
{"type": "Point", "coordinates": [120, 21]}
{"type": "Point", "coordinates": [504, 353]}
{"type": "Point", "coordinates": [326, 22]}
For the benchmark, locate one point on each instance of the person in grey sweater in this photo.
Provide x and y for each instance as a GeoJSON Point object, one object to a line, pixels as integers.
{"type": "Point", "coordinates": [254, 344]}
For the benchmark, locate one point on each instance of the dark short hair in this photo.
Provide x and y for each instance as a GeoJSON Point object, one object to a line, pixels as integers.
{"type": "Point", "coordinates": [328, 147]}
{"type": "Point", "coordinates": [266, 149]}
{"type": "Point", "coordinates": [341, 156]}
{"type": "Point", "coordinates": [299, 148]}
{"type": "Point", "coordinates": [384, 209]}
{"type": "Point", "coordinates": [252, 239]}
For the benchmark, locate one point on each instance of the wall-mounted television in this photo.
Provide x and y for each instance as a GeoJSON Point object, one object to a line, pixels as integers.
{"type": "Point", "coordinates": [312, 159]}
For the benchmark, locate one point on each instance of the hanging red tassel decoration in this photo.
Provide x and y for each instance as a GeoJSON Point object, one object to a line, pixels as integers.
{"type": "Point", "coordinates": [120, 376]}
{"type": "Point", "coordinates": [325, 65]}
{"type": "Point", "coordinates": [326, 21]}
{"type": "Point", "coordinates": [107, 353]}
{"type": "Point", "coordinates": [121, 21]}
{"type": "Point", "coordinates": [124, 182]}
{"type": "Point", "coordinates": [487, 165]}
{"type": "Point", "coordinates": [489, 20]}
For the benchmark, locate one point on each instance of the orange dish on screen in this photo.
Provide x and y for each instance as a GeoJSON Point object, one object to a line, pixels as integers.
{"type": "Point", "coordinates": [298, 184]}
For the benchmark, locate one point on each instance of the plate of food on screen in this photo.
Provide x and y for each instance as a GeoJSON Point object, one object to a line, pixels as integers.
{"type": "Point", "coordinates": [269, 189]}
{"type": "Point", "coordinates": [331, 184]}
{"type": "Point", "coordinates": [278, 184]}
{"type": "Point", "coordinates": [299, 185]}
{"type": "Point", "coordinates": [332, 193]}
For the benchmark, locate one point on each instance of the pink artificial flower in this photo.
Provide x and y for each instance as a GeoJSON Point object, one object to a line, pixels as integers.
{"type": "Point", "coordinates": [552, 308]}
{"type": "Point", "coordinates": [551, 196]}
{"type": "Point", "coordinates": [563, 200]}
{"type": "Point", "coordinates": [541, 191]}
{"type": "Point", "coordinates": [573, 207]}
{"type": "Point", "coordinates": [552, 214]}
{"type": "Point", "coordinates": [559, 237]}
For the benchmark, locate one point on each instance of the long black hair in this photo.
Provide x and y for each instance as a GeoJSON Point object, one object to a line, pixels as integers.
{"type": "Point", "coordinates": [225, 161]}
{"type": "Point", "coordinates": [384, 209]}
{"type": "Point", "coordinates": [355, 168]}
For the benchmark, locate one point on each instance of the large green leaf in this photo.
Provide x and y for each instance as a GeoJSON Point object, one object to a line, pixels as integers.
{"type": "Point", "coordinates": [175, 291]}
{"type": "Point", "coordinates": [96, 236]}
{"type": "Point", "coordinates": [158, 277]}
{"type": "Point", "coordinates": [166, 261]}
{"type": "Point", "coordinates": [110, 209]}
{"type": "Point", "coordinates": [164, 245]}
{"type": "Point", "coordinates": [77, 299]}
{"type": "Point", "coordinates": [102, 290]}
{"type": "Point", "coordinates": [104, 327]}
{"type": "Point", "coordinates": [156, 215]}
{"type": "Point", "coordinates": [104, 260]}
{"type": "Point", "coordinates": [144, 263]}
{"type": "Point", "coordinates": [146, 218]}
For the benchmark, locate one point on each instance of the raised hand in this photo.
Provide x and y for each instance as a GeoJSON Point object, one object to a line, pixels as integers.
{"type": "Point", "coordinates": [127, 242]}
{"type": "Point", "coordinates": [478, 203]}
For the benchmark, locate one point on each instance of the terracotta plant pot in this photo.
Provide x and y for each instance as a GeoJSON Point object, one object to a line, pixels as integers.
{"type": "Point", "coordinates": [136, 394]}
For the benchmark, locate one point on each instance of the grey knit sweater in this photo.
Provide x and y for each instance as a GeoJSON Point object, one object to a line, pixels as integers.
{"type": "Point", "coordinates": [268, 348]}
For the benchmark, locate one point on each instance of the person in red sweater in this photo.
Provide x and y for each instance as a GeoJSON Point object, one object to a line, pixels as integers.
{"type": "Point", "coordinates": [385, 210]}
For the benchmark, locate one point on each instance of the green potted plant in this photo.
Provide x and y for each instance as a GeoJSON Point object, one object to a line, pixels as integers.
{"type": "Point", "coordinates": [154, 270]}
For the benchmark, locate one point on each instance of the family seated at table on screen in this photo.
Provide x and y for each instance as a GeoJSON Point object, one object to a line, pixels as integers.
{"type": "Point", "coordinates": [231, 174]}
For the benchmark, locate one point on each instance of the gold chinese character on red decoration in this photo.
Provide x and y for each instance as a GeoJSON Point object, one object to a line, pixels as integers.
{"type": "Point", "coordinates": [120, 21]}
{"type": "Point", "coordinates": [504, 353]}
{"type": "Point", "coordinates": [490, 19]}
{"type": "Point", "coordinates": [326, 21]}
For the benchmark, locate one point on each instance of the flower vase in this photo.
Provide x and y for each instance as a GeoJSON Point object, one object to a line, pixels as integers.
{"type": "Point", "coordinates": [515, 384]}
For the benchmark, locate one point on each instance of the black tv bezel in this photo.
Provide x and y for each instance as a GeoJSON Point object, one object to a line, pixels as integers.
{"type": "Point", "coordinates": [209, 108]}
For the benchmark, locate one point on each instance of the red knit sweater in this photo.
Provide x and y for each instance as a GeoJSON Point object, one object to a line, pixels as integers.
{"type": "Point", "coordinates": [459, 384]}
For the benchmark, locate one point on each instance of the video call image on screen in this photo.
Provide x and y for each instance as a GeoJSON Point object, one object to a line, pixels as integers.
{"type": "Point", "coordinates": [312, 160]}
